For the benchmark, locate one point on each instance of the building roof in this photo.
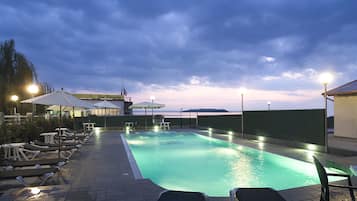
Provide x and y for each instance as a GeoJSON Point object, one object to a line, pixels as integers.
{"type": "Point", "coordinates": [349, 88]}
{"type": "Point", "coordinates": [99, 96]}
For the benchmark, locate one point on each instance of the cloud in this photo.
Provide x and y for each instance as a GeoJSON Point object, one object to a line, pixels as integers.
{"type": "Point", "coordinates": [305, 74]}
{"type": "Point", "coordinates": [103, 45]}
{"type": "Point", "coordinates": [270, 78]}
{"type": "Point", "coordinates": [268, 59]}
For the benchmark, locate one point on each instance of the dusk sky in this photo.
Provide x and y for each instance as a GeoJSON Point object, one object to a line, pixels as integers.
{"type": "Point", "coordinates": [187, 53]}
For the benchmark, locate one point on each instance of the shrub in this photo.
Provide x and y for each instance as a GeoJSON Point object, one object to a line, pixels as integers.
{"type": "Point", "coordinates": [30, 130]}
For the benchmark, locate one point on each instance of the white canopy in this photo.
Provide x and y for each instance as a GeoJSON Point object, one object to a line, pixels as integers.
{"type": "Point", "coordinates": [146, 105]}
{"type": "Point", "coordinates": [106, 104]}
{"type": "Point", "coordinates": [64, 108]}
{"type": "Point", "coordinates": [61, 98]}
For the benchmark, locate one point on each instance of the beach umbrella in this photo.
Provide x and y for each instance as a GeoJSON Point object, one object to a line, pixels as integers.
{"type": "Point", "coordinates": [146, 105]}
{"type": "Point", "coordinates": [106, 105]}
{"type": "Point", "coordinates": [60, 98]}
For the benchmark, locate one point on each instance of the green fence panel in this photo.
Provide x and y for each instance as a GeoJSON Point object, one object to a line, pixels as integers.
{"type": "Point", "coordinates": [221, 122]}
{"type": "Point", "coordinates": [116, 121]}
{"type": "Point", "coordinates": [181, 122]}
{"type": "Point", "coordinates": [306, 126]}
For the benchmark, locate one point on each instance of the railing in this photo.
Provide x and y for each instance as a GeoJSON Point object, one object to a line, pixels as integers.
{"type": "Point", "coordinates": [14, 119]}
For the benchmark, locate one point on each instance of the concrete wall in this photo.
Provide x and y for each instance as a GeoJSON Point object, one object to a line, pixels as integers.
{"type": "Point", "coordinates": [346, 116]}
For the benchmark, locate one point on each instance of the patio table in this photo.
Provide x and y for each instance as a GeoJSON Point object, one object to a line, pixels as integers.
{"type": "Point", "coordinates": [49, 137]}
{"type": "Point", "coordinates": [12, 150]}
{"type": "Point", "coordinates": [88, 126]}
{"type": "Point", "coordinates": [165, 125]}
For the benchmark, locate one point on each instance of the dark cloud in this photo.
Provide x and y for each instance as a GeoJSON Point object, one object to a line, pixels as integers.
{"type": "Point", "coordinates": [101, 45]}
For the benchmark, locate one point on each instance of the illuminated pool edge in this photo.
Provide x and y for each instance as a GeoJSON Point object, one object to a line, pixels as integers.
{"type": "Point", "coordinates": [132, 162]}
{"type": "Point", "coordinates": [136, 169]}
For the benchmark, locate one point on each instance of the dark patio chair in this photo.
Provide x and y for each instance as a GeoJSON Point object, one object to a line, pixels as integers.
{"type": "Point", "coordinates": [181, 196]}
{"type": "Point", "coordinates": [323, 175]}
{"type": "Point", "coordinates": [255, 194]}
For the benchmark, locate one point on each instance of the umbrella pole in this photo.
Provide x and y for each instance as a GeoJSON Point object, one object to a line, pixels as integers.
{"type": "Point", "coordinates": [60, 133]}
{"type": "Point", "coordinates": [105, 117]}
{"type": "Point", "coordinates": [74, 123]}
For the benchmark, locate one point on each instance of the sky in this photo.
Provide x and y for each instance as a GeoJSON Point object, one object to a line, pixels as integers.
{"type": "Point", "coordinates": [189, 54]}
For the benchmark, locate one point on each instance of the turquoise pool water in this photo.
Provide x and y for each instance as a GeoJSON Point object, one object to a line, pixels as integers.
{"type": "Point", "coordinates": [192, 162]}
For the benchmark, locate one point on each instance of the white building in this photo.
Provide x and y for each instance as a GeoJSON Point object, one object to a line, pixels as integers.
{"type": "Point", "coordinates": [345, 106]}
{"type": "Point", "coordinates": [118, 100]}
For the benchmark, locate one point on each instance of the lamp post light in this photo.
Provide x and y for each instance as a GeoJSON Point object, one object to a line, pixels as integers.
{"type": "Point", "coordinates": [152, 98]}
{"type": "Point", "coordinates": [269, 103]}
{"type": "Point", "coordinates": [33, 89]}
{"type": "Point", "coordinates": [242, 91]}
{"type": "Point", "coordinates": [14, 98]}
{"type": "Point", "coordinates": [325, 79]}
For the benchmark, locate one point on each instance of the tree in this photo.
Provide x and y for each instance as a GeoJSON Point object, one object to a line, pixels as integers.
{"type": "Point", "coordinates": [16, 72]}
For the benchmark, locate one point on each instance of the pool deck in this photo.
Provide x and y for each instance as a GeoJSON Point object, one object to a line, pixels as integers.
{"type": "Point", "coordinates": [101, 172]}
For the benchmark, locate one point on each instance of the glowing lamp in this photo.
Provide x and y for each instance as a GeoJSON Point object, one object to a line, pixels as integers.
{"type": "Point", "coordinates": [242, 90]}
{"type": "Point", "coordinates": [35, 191]}
{"type": "Point", "coordinates": [311, 147]}
{"type": "Point", "coordinates": [14, 98]}
{"type": "Point", "coordinates": [33, 89]}
{"type": "Point", "coordinates": [156, 128]}
{"type": "Point", "coordinates": [326, 78]}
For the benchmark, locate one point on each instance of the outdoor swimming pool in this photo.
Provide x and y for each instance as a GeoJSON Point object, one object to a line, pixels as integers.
{"type": "Point", "coordinates": [192, 162]}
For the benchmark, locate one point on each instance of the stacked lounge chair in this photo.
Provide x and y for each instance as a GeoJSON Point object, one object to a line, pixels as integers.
{"type": "Point", "coordinates": [66, 152]}
{"type": "Point", "coordinates": [32, 167]}
{"type": "Point", "coordinates": [43, 173]}
{"type": "Point", "coordinates": [38, 162]}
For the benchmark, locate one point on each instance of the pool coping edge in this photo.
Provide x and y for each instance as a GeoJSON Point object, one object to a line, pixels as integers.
{"type": "Point", "coordinates": [134, 166]}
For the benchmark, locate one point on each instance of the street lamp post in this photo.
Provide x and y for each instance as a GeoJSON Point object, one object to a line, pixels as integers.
{"type": "Point", "coordinates": [14, 98]}
{"type": "Point", "coordinates": [152, 98]}
{"type": "Point", "coordinates": [242, 91]}
{"type": "Point", "coordinates": [33, 89]}
{"type": "Point", "coordinates": [268, 105]}
{"type": "Point", "coordinates": [181, 117]}
{"type": "Point", "coordinates": [325, 79]}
